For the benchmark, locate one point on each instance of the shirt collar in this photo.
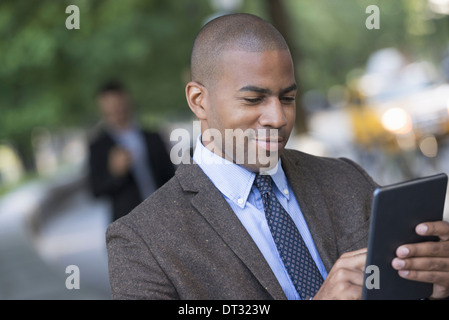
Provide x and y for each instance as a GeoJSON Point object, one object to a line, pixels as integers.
{"type": "Point", "coordinates": [232, 180]}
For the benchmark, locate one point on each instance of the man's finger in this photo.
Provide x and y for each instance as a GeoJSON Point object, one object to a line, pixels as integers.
{"type": "Point", "coordinates": [353, 260]}
{"type": "Point", "coordinates": [424, 276]}
{"type": "Point", "coordinates": [424, 249]}
{"type": "Point", "coordinates": [435, 228]}
{"type": "Point", "coordinates": [354, 253]}
{"type": "Point", "coordinates": [421, 264]}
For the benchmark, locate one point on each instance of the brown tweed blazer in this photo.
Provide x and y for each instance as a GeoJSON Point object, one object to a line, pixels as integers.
{"type": "Point", "coordinates": [185, 242]}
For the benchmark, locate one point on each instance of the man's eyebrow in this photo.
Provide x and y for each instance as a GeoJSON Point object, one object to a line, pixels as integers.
{"type": "Point", "coordinates": [255, 89]}
{"type": "Point", "coordinates": [293, 87]}
{"type": "Point", "coordinates": [267, 91]}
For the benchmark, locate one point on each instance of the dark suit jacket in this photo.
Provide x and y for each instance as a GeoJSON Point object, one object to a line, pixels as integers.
{"type": "Point", "coordinates": [185, 242]}
{"type": "Point", "coordinates": [123, 191]}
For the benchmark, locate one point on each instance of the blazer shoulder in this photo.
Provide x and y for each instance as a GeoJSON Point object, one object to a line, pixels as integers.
{"type": "Point", "coordinates": [309, 159]}
{"type": "Point", "coordinates": [330, 167]}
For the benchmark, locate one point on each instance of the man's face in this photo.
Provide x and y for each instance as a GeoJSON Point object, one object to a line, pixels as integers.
{"type": "Point", "coordinates": [253, 97]}
{"type": "Point", "coordinates": [116, 109]}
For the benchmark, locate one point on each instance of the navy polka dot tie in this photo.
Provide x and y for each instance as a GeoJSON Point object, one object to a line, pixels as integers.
{"type": "Point", "coordinates": [292, 249]}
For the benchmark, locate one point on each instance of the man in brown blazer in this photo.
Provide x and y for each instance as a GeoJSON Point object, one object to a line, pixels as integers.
{"type": "Point", "coordinates": [198, 237]}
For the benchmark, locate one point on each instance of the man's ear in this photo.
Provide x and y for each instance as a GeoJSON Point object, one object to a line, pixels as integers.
{"type": "Point", "coordinates": [197, 98]}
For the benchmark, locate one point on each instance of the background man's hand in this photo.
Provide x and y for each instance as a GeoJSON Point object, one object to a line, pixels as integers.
{"type": "Point", "coordinates": [119, 161]}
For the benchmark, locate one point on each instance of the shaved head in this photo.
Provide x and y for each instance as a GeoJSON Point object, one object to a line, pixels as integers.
{"type": "Point", "coordinates": [243, 32]}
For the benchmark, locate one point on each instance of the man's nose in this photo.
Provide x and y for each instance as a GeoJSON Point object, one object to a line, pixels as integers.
{"type": "Point", "coordinates": [273, 114]}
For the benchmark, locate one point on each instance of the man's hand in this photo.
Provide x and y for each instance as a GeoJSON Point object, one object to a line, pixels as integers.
{"type": "Point", "coordinates": [119, 161]}
{"type": "Point", "coordinates": [427, 261]}
{"type": "Point", "coordinates": [345, 280]}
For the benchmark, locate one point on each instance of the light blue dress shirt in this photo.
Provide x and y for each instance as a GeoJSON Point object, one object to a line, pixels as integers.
{"type": "Point", "coordinates": [236, 185]}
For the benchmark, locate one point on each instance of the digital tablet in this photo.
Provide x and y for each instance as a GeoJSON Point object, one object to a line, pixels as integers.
{"type": "Point", "coordinates": [396, 211]}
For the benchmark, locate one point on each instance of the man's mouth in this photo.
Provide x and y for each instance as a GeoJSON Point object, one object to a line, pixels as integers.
{"type": "Point", "coordinates": [270, 144]}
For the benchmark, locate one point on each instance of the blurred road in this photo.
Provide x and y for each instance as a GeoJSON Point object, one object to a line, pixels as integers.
{"type": "Point", "coordinates": [45, 227]}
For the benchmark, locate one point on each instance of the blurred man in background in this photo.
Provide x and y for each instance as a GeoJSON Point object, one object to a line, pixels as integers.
{"type": "Point", "coordinates": [126, 163]}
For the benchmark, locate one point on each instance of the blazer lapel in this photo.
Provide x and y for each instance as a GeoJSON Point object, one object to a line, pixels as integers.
{"type": "Point", "coordinates": [211, 204]}
{"type": "Point", "coordinates": [316, 214]}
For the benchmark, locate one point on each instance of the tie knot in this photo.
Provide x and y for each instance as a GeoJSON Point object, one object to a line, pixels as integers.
{"type": "Point", "coordinates": [263, 183]}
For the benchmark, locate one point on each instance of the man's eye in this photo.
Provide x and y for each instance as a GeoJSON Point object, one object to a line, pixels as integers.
{"type": "Point", "coordinates": [288, 99]}
{"type": "Point", "coordinates": [252, 100]}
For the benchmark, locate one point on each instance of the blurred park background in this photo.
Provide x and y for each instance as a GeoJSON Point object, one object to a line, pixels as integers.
{"type": "Point", "coordinates": [378, 96]}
